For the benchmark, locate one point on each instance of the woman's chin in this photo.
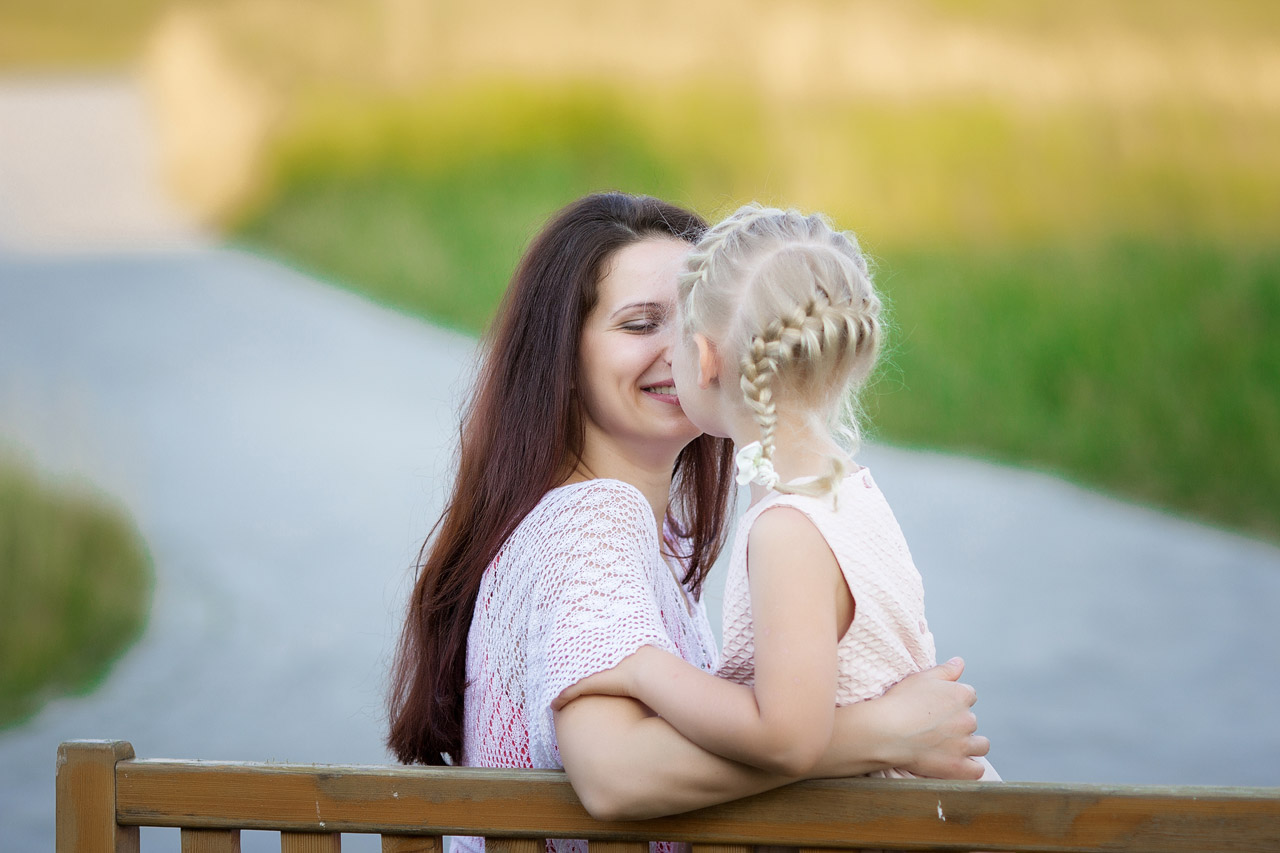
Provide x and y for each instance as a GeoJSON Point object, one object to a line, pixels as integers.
{"type": "Point", "coordinates": [679, 438]}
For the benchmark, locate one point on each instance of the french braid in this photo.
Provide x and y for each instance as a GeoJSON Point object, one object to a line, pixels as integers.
{"type": "Point", "coordinates": [796, 298]}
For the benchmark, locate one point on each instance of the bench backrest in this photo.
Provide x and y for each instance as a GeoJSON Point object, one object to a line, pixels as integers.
{"type": "Point", "coordinates": [105, 794]}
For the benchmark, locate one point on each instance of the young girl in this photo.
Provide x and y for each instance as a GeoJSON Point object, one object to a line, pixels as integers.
{"type": "Point", "coordinates": [778, 327]}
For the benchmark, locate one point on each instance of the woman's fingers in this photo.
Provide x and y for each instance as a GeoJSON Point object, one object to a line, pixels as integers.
{"type": "Point", "coordinates": [951, 670]}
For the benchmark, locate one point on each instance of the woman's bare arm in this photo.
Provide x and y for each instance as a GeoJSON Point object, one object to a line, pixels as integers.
{"type": "Point", "coordinates": [625, 763]}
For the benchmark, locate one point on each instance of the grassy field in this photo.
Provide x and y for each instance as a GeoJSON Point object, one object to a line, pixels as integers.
{"type": "Point", "coordinates": [1074, 207]}
{"type": "Point", "coordinates": [74, 592]}
{"type": "Point", "coordinates": [429, 210]}
{"type": "Point", "coordinates": [1118, 337]}
{"type": "Point", "coordinates": [1146, 367]}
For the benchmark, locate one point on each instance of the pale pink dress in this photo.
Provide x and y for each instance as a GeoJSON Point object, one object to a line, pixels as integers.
{"type": "Point", "coordinates": [579, 585]}
{"type": "Point", "coordinates": [889, 638]}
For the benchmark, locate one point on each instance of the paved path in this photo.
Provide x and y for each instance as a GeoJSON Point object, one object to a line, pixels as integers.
{"type": "Point", "coordinates": [283, 446]}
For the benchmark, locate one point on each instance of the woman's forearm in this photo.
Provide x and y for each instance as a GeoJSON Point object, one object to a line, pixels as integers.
{"type": "Point", "coordinates": [624, 763]}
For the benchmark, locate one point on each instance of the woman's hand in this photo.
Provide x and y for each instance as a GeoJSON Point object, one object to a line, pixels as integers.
{"type": "Point", "coordinates": [619, 681]}
{"type": "Point", "coordinates": [924, 723]}
{"type": "Point", "coordinates": [937, 713]}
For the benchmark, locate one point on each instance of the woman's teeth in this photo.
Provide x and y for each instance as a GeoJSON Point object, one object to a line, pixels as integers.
{"type": "Point", "coordinates": [669, 390]}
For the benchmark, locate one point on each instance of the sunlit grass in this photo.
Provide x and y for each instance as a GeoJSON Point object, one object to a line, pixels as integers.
{"type": "Point", "coordinates": [1142, 366]}
{"type": "Point", "coordinates": [965, 172]}
{"type": "Point", "coordinates": [1102, 315]}
{"type": "Point", "coordinates": [433, 222]}
{"type": "Point", "coordinates": [1083, 277]}
{"type": "Point", "coordinates": [75, 588]}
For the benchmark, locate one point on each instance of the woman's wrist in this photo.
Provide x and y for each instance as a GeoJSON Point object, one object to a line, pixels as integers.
{"type": "Point", "coordinates": [885, 743]}
{"type": "Point", "coordinates": [861, 742]}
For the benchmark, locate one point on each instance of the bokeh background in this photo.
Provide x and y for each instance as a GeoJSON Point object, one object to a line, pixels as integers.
{"type": "Point", "coordinates": [1074, 208]}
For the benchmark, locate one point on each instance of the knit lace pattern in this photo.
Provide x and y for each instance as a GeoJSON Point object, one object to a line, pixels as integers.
{"type": "Point", "coordinates": [579, 585]}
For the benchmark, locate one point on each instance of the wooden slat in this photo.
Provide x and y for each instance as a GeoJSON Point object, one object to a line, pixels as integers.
{"type": "Point", "coordinates": [722, 848]}
{"type": "Point", "coordinates": [86, 798]}
{"type": "Point", "coordinates": [411, 844]}
{"type": "Point", "coordinates": [515, 845]}
{"type": "Point", "coordinates": [310, 842]}
{"type": "Point", "coordinates": [210, 841]}
{"type": "Point", "coordinates": [618, 847]}
{"type": "Point", "coordinates": [869, 813]}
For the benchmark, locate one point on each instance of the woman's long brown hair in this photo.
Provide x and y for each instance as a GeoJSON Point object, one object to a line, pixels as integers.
{"type": "Point", "coordinates": [521, 432]}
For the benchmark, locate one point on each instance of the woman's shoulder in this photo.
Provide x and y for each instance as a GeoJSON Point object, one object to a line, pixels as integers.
{"type": "Point", "coordinates": [599, 494]}
{"type": "Point", "coordinates": [598, 488]}
{"type": "Point", "coordinates": [597, 508]}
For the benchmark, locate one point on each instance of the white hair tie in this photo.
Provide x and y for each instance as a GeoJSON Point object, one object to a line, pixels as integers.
{"type": "Point", "coordinates": [753, 467]}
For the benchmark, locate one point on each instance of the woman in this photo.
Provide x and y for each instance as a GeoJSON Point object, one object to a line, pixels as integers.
{"type": "Point", "coordinates": [586, 513]}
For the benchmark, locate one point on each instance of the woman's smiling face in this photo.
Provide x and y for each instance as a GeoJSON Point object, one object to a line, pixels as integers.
{"type": "Point", "coordinates": [628, 395]}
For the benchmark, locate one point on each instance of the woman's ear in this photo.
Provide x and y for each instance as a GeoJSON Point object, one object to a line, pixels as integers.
{"type": "Point", "coordinates": [708, 361]}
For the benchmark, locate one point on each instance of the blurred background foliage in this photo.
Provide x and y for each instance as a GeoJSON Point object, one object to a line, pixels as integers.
{"type": "Point", "coordinates": [1074, 208]}
{"type": "Point", "coordinates": [74, 592]}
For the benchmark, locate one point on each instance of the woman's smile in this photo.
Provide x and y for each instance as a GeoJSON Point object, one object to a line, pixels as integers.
{"type": "Point", "coordinates": [664, 391]}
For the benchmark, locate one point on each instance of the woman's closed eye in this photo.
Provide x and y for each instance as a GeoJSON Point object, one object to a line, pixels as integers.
{"type": "Point", "coordinates": [641, 327]}
{"type": "Point", "coordinates": [643, 318]}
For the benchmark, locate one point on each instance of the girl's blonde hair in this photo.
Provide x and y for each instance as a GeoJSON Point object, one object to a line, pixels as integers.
{"type": "Point", "coordinates": [788, 299]}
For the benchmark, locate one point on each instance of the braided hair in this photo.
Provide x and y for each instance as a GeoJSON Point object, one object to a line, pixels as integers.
{"type": "Point", "coordinates": [790, 302]}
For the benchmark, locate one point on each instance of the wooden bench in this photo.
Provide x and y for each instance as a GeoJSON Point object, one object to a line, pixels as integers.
{"type": "Point", "coordinates": [105, 794]}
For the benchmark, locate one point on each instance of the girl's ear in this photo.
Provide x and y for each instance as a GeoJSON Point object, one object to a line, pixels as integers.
{"type": "Point", "coordinates": [708, 361]}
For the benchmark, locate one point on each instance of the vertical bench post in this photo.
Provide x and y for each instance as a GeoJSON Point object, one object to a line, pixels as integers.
{"type": "Point", "coordinates": [210, 841]}
{"type": "Point", "coordinates": [411, 843]}
{"type": "Point", "coordinates": [310, 842]}
{"type": "Point", "coordinates": [86, 804]}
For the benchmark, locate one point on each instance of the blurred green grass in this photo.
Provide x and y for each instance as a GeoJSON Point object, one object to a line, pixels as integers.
{"type": "Point", "coordinates": [1059, 305]}
{"type": "Point", "coordinates": [1085, 283]}
{"type": "Point", "coordinates": [428, 211]}
{"type": "Point", "coordinates": [74, 591]}
{"type": "Point", "coordinates": [1147, 367]}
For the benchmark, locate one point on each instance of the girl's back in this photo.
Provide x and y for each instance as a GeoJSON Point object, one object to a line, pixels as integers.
{"type": "Point", "coordinates": [888, 638]}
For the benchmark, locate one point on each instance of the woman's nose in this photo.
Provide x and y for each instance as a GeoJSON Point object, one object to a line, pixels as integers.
{"type": "Point", "coordinates": [667, 340]}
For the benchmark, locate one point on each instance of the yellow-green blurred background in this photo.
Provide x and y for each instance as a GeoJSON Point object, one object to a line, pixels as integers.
{"type": "Point", "coordinates": [1074, 207]}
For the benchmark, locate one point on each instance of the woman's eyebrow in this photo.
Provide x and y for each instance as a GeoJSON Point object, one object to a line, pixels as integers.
{"type": "Point", "coordinates": [657, 308]}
